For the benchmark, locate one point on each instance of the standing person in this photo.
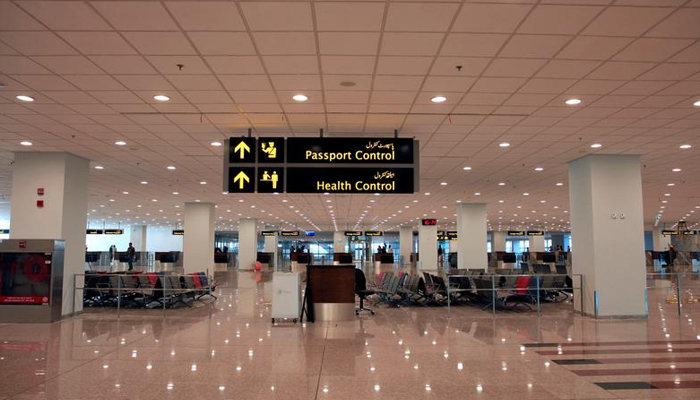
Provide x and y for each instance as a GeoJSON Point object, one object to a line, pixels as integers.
{"type": "Point", "coordinates": [671, 257]}
{"type": "Point", "coordinates": [130, 256]}
{"type": "Point", "coordinates": [391, 250]}
{"type": "Point", "coordinates": [441, 256]}
{"type": "Point", "coordinates": [112, 254]}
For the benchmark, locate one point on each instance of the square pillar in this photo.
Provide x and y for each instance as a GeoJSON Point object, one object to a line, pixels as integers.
{"type": "Point", "coordinates": [138, 237]}
{"type": "Point", "coordinates": [247, 243]}
{"type": "Point", "coordinates": [198, 249]}
{"type": "Point", "coordinates": [536, 244]}
{"type": "Point", "coordinates": [339, 242]}
{"type": "Point", "coordinates": [471, 236]}
{"type": "Point", "coordinates": [64, 179]}
{"type": "Point", "coordinates": [427, 247]}
{"type": "Point", "coordinates": [608, 227]}
{"type": "Point", "coordinates": [406, 243]}
{"type": "Point", "coordinates": [498, 241]}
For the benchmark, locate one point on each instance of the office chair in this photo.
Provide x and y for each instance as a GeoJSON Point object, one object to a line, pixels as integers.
{"type": "Point", "coordinates": [361, 291]}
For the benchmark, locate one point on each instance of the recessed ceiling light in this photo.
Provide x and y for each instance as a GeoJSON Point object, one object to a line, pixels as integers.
{"type": "Point", "coordinates": [573, 102]}
{"type": "Point", "coordinates": [24, 98]}
{"type": "Point", "coordinates": [99, 167]}
{"type": "Point", "coordinates": [477, 194]}
{"type": "Point", "coordinates": [299, 97]}
{"type": "Point", "coordinates": [144, 183]}
{"type": "Point", "coordinates": [170, 167]}
{"type": "Point", "coordinates": [26, 143]}
{"type": "Point", "coordinates": [667, 194]}
{"type": "Point", "coordinates": [120, 143]}
{"type": "Point", "coordinates": [215, 144]}
{"type": "Point", "coordinates": [176, 192]}
{"type": "Point", "coordinates": [501, 183]}
{"type": "Point", "coordinates": [539, 169]}
{"type": "Point", "coordinates": [467, 168]}
{"type": "Point", "coordinates": [676, 170]}
{"type": "Point", "coordinates": [203, 183]}
{"type": "Point", "coordinates": [443, 183]}
{"type": "Point", "coordinates": [671, 184]}
{"type": "Point", "coordinates": [559, 184]}
{"type": "Point", "coordinates": [697, 103]}
{"type": "Point", "coordinates": [504, 144]}
{"type": "Point", "coordinates": [161, 97]}
{"type": "Point", "coordinates": [526, 194]}
{"type": "Point", "coordinates": [427, 193]}
{"type": "Point", "coordinates": [439, 99]}
{"type": "Point", "coordinates": [596, 145]}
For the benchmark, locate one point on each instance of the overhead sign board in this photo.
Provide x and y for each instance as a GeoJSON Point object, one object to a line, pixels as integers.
{"type": "Point", "coordinates": [690, 233]}
{"type": "Point", "coordinates": [270, 180]}
{"type": "Point", "coordinates": [350, 180]}
{"type": "Point", "coordinates": [114, 231]}
{"type": "Point", "coordinates": [289, 233]}
{"type": "Point", "coordinates": [269, 233]}
{"type": "Point", "coordinates": [447, 235]}
{"type": "Point", "coordinates": [667, 232]}
{"type": "Point", "coordinates": [92, 231]}
{"type": "Point", "coordinates": [517, 233]}
{"type": "Point", "coordinates": [350, 151]}
{"type": "Point", "coordinates": [271, 150]}
{"type": "Point", "coordinates": [241, 180]}
{"type": "Point", "coordinates": [241, 150]}
{"type": "Point", "coordinates": [374, 233]}
{"type": "Point", "coordinates": [535, 233]}
{"type": "Point", "coordinates": [428, 222]}
{"type": "Point", "coordinates": [179, 232]}
{"type": "Point", "coordinates": [4, 231]}
{"type": "Point", "coordinates": [353, 233]}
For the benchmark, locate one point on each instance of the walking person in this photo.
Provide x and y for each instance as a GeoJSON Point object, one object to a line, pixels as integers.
{"type": "Point", "coordinates": [130, 256]}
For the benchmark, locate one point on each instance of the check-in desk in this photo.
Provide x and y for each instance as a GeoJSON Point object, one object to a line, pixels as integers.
{"type": "Point", "coordinates": [299, 261]}
{"type": "Point", "coordinates": [342, 258]}
{"type": "Point", "coordinates": [330, 292]}
{"type": "Point", "coordinates": [266, 259]}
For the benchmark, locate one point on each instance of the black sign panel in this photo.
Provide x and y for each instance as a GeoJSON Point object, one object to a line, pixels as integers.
{"type": "Point", "coordinates": [452, 235]}
{"type": "Point", "coordinates": [535, 233]}
{"type": "Point", "coordinates": [350, 151]}
{"type": "Point", "coordinates": [289, 233]}
{"type": "Point", "coordinates": [269, 233]}
{"type": "Point", "coordinates": [517, 233]}
{"type": "Point", "coordinates": [88, 231]}
{"type": "Point", "coordinates": [241, 150]}
{"type": "Point", "coordinates": [241, 179]}
{"type": "Point", "coordinates": [270, 180]}
{"type": "Point", "coordinates": [4, 231]}
{"type": "Point", "coordinates": [349, 180]}
{"type": "Point", "coordinates": [428, 222]}
{"type": "Point", "coordinates": [374, 233]}
{"type": "Point", "coordinates": [179, 232]}
{"type": "Point", "coordinates": [114, 231]}
{"type": "Point", "coordinates": [270, 150]}
{"type": "Point", "coordinates": [353, 233]}
{"type": "Point", "coordinates": [690, 233]}
{"type": "Point", "coordinates": [667, 232]}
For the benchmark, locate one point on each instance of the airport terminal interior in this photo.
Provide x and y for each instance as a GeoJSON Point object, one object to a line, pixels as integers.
{"type": "Point", "coordinates": [352, 199]}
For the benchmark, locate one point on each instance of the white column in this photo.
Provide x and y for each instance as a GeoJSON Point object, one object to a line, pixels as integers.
{"type": "Point", "coordinates": [138, 237]}
{"type": "Point", "coordinates": [608, 227]}
{"type": "Point", "coordinates": [427, 247]}
{"type": "Point", "coordinates": [198, 249]}
{"type": "Point", "coordinates": [498, 242]}
{"type": "Point", "coordinates": [406, 243]}
{"type": "Point", "coordinates": [270, 246]}
{"type": "Point", "coordinates": [339, 242]}
{"type": "Point", "coordinates": [536, 244]}
{"type": "Point", "coordinates": [660, 242]}
{"type": "Point", "coordinates": [247, 243]}
{"type": "Point", "coordinates": [471, 236]}
{"type": "Point", "coordinates": [64, 179]}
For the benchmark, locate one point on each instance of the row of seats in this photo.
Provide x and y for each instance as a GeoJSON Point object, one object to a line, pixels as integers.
{"type": "Point", "coordinates": [149, 290]}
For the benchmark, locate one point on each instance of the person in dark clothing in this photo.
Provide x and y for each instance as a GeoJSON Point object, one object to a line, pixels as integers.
{"type": "Point", "coordinates": [671, 257]}
{"type": "Point", "coordinates": [130, 256]}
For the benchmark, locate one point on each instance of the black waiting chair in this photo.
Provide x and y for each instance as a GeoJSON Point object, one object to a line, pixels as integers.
{"type": "Point", "coordinates": [361, 291]}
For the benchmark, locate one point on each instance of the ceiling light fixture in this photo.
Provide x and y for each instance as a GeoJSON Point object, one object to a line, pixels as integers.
{"type": "Point", "coordinates": [203, 183]}
{"type": "Point", "coordinates": [300, 97]}
{"type": "Point", "coordinates": [24, 98]}
{"type": "Point", "coordinates": [538, 169]}
{"type": "Point", "coordinates": [467, 168]}
{"type": "Point", "coordinates": [697, 103]}
{"type": "Point", "coordinates": [439, 99]}
{"type": "Point", "coordinates": [161, 97]}
{"type": "Point", "coordinates": [170, 167]}
{"type": "Point", "coordinates": [676, 170]}
{"type": "Point", "coordinates": [99, 167]}
{"type": "Point", "coordinates": [559, 184]}
{"type": "Point", "coordinates": [685, 146]}
{"type": "Point", "coordinates": [443, 183]}
{"type": "Point", "coordinates": [596, 145]}
{"type": "Point", "coordinates": [144, 183]}
{"type": "Point", "coordinates": [215, 144]}
{"type": "Point", "coordinates": [26, 143]}
{"type": "Point", "coordinates": [120, 143]}
{"type": "Point", "coordinates": [573, 102]}
{"type": "Point", "coordinates": [504, 144]}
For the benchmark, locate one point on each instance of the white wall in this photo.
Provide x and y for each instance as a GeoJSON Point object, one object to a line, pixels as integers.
{"type": "Point", "coordinates": [102, 242]}
{"type": "Point", "coordinates": [162, 239]}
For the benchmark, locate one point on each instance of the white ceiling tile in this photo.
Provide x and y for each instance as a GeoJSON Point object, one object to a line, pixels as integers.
{"type": "Point", "coordinates": [688, 88]}
{"type": "Point", "coordinates": [44, 82]}
{"type": "Point", "coordinates": [392, 97]}
{"type": "Point", "coordinates": [660, 101]}
{"type": "Point", "coordinates": [68, 64]}
{"type": "Point", "coordinates": [36, 43]}
{"type": "Point", "coordinates": [206, 15]}
{"type": "Point", "coordinates": [245, 82]}
{"type": "Point", "coordinates": [123, 64]}
{"type": "Point", "coordinates": [514, 67]}
{"type": "Point", "coordinates": [671, 72]}
{"type": "Point", "coordinates": [642, 88]}
{"type": "Point", "coordinates": [236, 65]}
{"type": "Point", "coordinates": [567, 69]}
{"type": "Point", "coordinates": [7, 50]}
{"type": "Point", "coordinates": [291, 64]}
{"type": "Point", "coordinates": [349, 16]}
{"type": "Point", "coordinates": [14, 18]}
{"type": "Point", "coordinates": [558, 19]}
{"type": "Point", "coordinates": [681, 24]}
{"type": "Point", "coordinates": [448, 83]}
{"type": "Point", "coordinates": [94, 82]}
{"type": "Point", "coordinates": [296, 82]}
{"type": "Point", "coordinates": [419, 17]}
{"type": "Point", "coordinates": [396, 65]}
{"type": "Point", "coordinates": [65, 15]}
{"type": "Point", "coordinates": [473, 44]}
{"type": "Point", "coordinates": [136, 15]}
{"type": "Point", "coordinates": [590, 86]}
{"type": "Point", "coordinates": [72, 97]}
{"type": "Point", "coordinates": [400, 83]}
{"type": "Point", "coordinates": [620, 70]}
{"type": "Point", "coordinates": [653, 49]}
{"type": "Point", "coordinates": [222, 43]}
{"type": "Point", "coordinates": [593, 47]}
{"type": "Point", "coordinates": [496, 18]}
{"type": "Point", "coordinates": [94, 43]}
{"type": "Point", "coordinates": [278, 16]}
{"type": "Point", "coordinates": [497, 85]}
{"type": "Point", "coordinates": [345, 97]}
{"type": "Point", "coordinates": [20, 65]}
{"type": "Point", "coordinates": [691, 54]}
{"type": "Point", "coordinates": [533, 100]}
{"type": "Point", "coordinates": [626, 21]}
{"type": "Point", "coordinates": [534, 46]}
{"type": "Point", "coordinates": [543, 85]}
{"type": "Point", "coordinates": [207, 96]}
{"type": "Point", "coordinates": [347, 64]}
{"type": "Point", "coordinates": [617, 101]}
{"type": "Point", "coordinates": [411, 44]}
{"type": "Point", "coordinates": [340, 82]}
{"type": "Point", "coordinates": [194, 82]}
{"type": "Point", "coordinates": [160, 43]}
{"type": "Point", "coordinates": [347, 43]}
{"type": "Point", "coordinates": [249, 96]}
{"type": "Point", "coordinates": [116, 97]}
{"type": "Point", "coordinates": [467, 66]}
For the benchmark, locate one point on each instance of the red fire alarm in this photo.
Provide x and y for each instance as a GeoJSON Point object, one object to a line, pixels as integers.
{"type": "Point", "coordinates": [40, 191]}
{"type": "Point", "coordinates": [40, 204]}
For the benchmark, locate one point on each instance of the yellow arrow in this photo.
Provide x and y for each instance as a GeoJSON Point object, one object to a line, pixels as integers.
{"type": "Point", "coordinates": [242, 147]}
{"type": "Point", "coordinates": [241, 177]}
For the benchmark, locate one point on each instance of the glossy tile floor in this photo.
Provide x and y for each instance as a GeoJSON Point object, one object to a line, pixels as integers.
{"type": "Point", "coordinates": [228, 349]}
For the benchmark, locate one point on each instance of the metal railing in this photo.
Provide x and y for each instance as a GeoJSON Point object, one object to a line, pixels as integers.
{"type": "Point", "coordinates": [679, 288]}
